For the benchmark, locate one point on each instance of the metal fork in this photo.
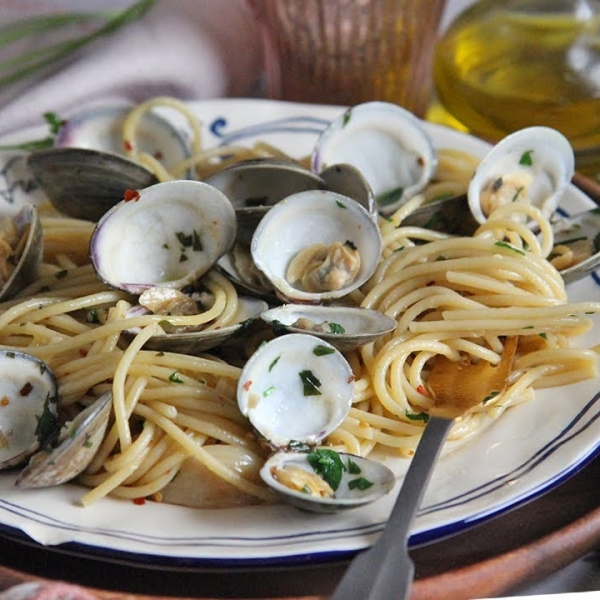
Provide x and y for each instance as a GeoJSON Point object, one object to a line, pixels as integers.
{"type": "Point", "coordinates": [385, 571]}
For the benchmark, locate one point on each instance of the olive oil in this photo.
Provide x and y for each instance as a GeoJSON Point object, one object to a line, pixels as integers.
{"type": "Point", "coordinates": [508, 64]}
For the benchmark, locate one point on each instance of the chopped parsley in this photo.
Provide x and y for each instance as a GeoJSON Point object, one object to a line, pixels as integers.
{"type": "Point", "coordinates": [322, 350]}
{"type": "Point", "coordinates": [327, 464]}
{"type": "Point", "coordinates": [336, 328]}
{"type": "Point", "coordinates": [310, 382]}
{"type": "Point", "coordinates": [175, 377]}
{"type": "Point", "coordinates": [509, 247]}
{"type": "Point", "coordinates": [389, 197]}
{"type": "Point", "coordinates": [526, 159]}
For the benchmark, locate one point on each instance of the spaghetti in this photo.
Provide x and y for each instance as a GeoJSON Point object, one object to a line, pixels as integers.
{"type": "Point", "coordinates": [177, 414]}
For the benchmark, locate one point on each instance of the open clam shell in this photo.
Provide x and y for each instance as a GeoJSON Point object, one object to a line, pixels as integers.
{"type": "Point", "coordinates": [194, 342]}
{"type": "Point", "coordinates": [344, 327]}
{"type": "Point", "coordinates": [101, 128]}
{"type": "Point", "coordinates": [387, 144]}
{"type": "Point", "coordinates": [30, 248]}
{"type": "Point", "coordinates": [28, 406]}
{"type": "Point", "coordinates": [253, 186]}
{"type": "Point", "coordinates": [533, 165]}
{"type": "Point", "coordinates": [84, 183]}
{"type": "Point", "coordinates": [169, 234]}
{"type": "Point", "coordinates": [295, 388]}
{"type": "Point", "coordinates": [79, 441]}
{"type": "Point", "coordinates": [316, 220]}
{"type": "Point", "coordinates": [362, 481]}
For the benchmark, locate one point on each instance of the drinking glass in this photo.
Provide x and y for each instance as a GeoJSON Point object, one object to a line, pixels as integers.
{"type": "Point", "coordinates": [350, 51]}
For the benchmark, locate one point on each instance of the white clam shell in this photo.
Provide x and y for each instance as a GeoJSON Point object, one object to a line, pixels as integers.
{"type": "Point", "coordinates": [28, 406]}
{"type": "Point", "coordinates": [101, 128]}
{"type": "Point", "coordinates": [387, 144]}
{"type": "Point", "coordinates": [550, 168]}
{"type": "Point", "coordinates": [312, 217]}
{"type": "Point", "coordinates": [137, 244]}
{"type": "Point", "coordinates": [346, 496]}
{"type": "Point", "coordinates": [272, 393]}
{"type": "Point", "coordinates": [360, 325]}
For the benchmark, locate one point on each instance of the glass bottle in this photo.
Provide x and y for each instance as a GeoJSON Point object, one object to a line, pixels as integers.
{"type": "Point", "coordinates": [507, 64]}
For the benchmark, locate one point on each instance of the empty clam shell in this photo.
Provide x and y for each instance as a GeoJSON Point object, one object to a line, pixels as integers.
{"type": "Point", "coordinates": [533, 165]}
{"type": "Point", "coordinates": [387, 144]}
{"type": "Point", "coordinates": [344, 327]}
{"type": "Point", "coordinates": [317, 245]}
{"type": "Point", "coordinates": [101, 128]}
{"type": "Point", "coordinates": [78, 443]}
{"type": "Point", "coordinates": [28, 406]}
{"type": "Point", "coordinates": [83, 183]}
{"type": "Point", "coordinates": [296, 387]}
{"type": "Point", "coordinates": [361, 480]}
{"type": "Point", "coordinates": [168, 234]}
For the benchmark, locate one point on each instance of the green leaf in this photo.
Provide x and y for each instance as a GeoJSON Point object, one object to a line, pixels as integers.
{"type": "Point", "coordinates": [322, 350]}
{"type": "Point", "coordinates": [310, 383]}
{"type": "Point", "coordinates": [526, 159]}
{"type": "Point", "coordinates": [361, 483]}
{"type": "Point", "coordinates": [509, 247]}
{"type": "Point", "coordinates": [390, 196]}
{"type": "Point", "coordinates": [422, 416]}
{"type": "Point", "coordinates": [327, 464]}
{"type": "Point", "coordinates": [22, 65]}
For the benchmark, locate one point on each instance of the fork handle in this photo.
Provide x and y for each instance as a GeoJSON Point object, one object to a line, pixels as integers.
{"type": "Point", "coordinates": [385, 571]}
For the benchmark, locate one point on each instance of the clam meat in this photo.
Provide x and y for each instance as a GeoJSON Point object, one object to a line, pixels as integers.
{"type": "Point", "coordinates": [21, 248]}
{"type": "Point", "coordinates": [533, 165]}
{"type": "Point", "coordinates": [326, 481]}
{"type": "Point", "coordinates": [345, 327]}
{"type": "Point", "coordinates": [317, 245]}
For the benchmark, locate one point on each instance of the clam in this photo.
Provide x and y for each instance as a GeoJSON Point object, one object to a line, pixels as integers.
{"type": "Point", "coordinates": [317, 245]}
{"type": "Point", "coordinates": [192, 340]}
{"type": "Point", "coordinates": [91, 166]}
{"type": "Point", "coordinates": [349, 181]}
{"type": "Point", "coordinates": [296, 390]}
{"type": "Point", "coordinates": [345, 327]}
{"type": "Point", "coordinates": [387, 144]}
{"type": "Point", "coordinates": [21, 248]}
{"type": "Point", "coordinates": [167, 235]}
{"type": "Point", "coordinates": [302, 479]}
{"type": "Point", "coordinates": [532, 165]}
{"type": "Point", "coordinates": [28, 406]}
{"type": "Point", "coordinates": [77, 445]}
{"type": "Point", "coordinates": [253, 186]}
{"type": "Point", "coordinates": [101, 128]}
{"type": "Point", "coordinates": [83, 183]}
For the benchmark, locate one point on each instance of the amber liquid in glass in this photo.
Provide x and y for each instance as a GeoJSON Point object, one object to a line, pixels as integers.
{"type": "Point", "coordinates": [503, 66]}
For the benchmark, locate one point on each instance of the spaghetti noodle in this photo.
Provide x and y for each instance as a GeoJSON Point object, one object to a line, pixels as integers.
{"type": "Point", "coordinates": [450, 296]}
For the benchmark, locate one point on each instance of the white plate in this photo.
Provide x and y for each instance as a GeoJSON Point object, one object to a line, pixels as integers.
{"type": "Point", "coordinates": [528, 451]}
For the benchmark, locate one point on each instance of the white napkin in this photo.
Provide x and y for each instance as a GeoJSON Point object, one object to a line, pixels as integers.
{"type": "Point", "coordinates": [191, 49]}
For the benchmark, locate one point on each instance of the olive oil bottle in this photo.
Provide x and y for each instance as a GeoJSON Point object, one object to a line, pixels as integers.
{"type": "Point", "coordinates": [508, 64]}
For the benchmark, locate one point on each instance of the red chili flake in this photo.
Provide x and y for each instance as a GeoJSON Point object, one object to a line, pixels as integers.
{"type": "Point", "coordinates": [130, 195]}
{"type": "Point", "coordinates": [351, 378]}
{"type": "Point", "coordinates": [421, 389]}
{"type": "Point", "coordinates": [247, 385]}
{"type": "Point", "coordinates": [5, 401]}
{"type": "Point", "coordinates": [158, 155]}
{"type": "Point", "coordinates": [139, 501]}
{"type": "Point", "coordinates": [128, 145]}
{"type": "Point", "coordinates": [420, 161]}
{"type": "Point", "coordinates": [83, 352]}
{"type": "Point", "coordinates": [26, 389]}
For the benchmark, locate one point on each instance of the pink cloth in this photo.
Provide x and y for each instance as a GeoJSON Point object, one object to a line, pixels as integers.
{"type": "Point", "coordinates": [191, 49]}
